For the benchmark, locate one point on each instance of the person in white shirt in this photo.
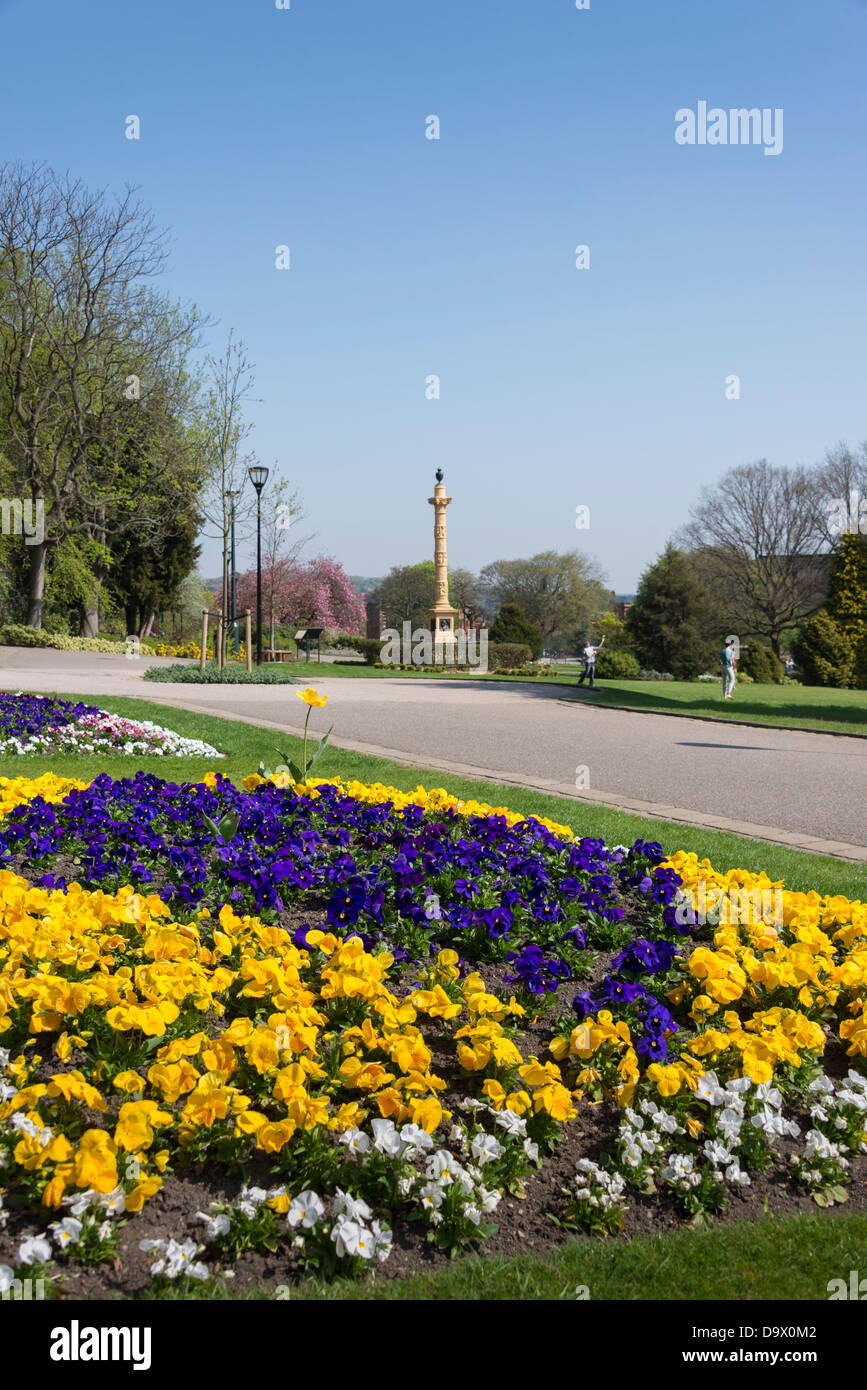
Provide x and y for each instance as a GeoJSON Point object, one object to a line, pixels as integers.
{"type": "Point", "coordinates": [590, 662]}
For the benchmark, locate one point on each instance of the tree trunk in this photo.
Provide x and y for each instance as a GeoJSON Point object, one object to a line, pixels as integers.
{"type": "Point", "coordinates": [131, 610]}
{"type": "Point", "coordinates": [36, 586]}
{"type": "Point", "coordinates": [90, 619]}
{"type": "Point", "coordinates": [146, 630]}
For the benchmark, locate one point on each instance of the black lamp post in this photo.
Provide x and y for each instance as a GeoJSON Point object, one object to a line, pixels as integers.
{"type": "Point", "coordinates": [258, 477]}
{"type": "Point", "coordinates": [233, 590]}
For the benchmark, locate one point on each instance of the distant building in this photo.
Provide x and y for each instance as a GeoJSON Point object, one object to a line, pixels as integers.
{"type": "Point", "coordinates": [621, 603]}
{"type": "Point", "coordinates": [373, 617]}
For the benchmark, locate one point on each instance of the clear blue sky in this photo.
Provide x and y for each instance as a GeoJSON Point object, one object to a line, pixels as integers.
{"type": "Point", "coordinates": [455, 257]}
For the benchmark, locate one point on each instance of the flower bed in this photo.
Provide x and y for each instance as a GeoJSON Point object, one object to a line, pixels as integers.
{"type": "Point", "coordinates": [336, 1027]}
{"type": "Point", "coordinates": [46, 724]}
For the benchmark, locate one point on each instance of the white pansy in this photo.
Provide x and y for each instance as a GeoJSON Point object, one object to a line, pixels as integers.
{"type": "Point", "coordinates": [485, 1148]}
{"type": "Point", "coordinates": [348, 1235]}
{"type": "Point", "coordinates": [386, 1139]}
{"type": "Point", "coordinates": [417, 1137]}
{"type": "Point", "coordinates": [66, 1232]}
{"type": "Point", "coordinates": [351, 1207]}
{"type": "Point", "coordinates": [382, 1240]}
{"type": "Point", "coordinates": [305, 1210]}
{"type": "Point", "coordinates": [355, 1140]}
{"type": "Point", "coordinates": [511, 1122]}
{"type": "Point", "coordinates": [214, 1225]}
{"type": "Point", "coordinates": [34, 1250]}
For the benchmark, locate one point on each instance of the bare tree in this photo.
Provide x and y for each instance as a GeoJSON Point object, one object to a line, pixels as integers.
{"type": "Point", "coordinates": [757, 538]}
{"type": "Point", "coordinates": [841, 492]}
{"type": "Point", "coordinates": [224, 431]}
{"type": "Point", "coordinates": [281, 543]}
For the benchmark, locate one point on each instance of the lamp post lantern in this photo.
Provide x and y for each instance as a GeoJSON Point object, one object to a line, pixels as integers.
{"type": "Point", "coordinates": [258, 477]}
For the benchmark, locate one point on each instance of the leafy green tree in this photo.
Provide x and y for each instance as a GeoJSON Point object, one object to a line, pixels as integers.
{"type": "Point", "coordinates": [824, 653]}
{"type": "Point", "coordinates": [617, 635]}
{"type": "Point", "coordinates": [81, 336]}
{"type": "Point", "coordinates": [149, 572]}
{"type": "Point", "coordinates": [847, 587]}
{"type": "Point", "coordinates": [672, 620]}
{"type": "Point", "coordinates": [759, 662]}
{"type": "Point", "coordinates": [560, 593]}
{"type": "Point", "coordinates": [512, 625]}
{"type": "Point", "coordinates": [407, 593]}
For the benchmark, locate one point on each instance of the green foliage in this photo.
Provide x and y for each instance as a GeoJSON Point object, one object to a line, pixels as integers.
{"type": "Point", "coordinates": [407, 594]}
{"type": "Point", "coordinates": [824, 653]}
{"type": "Point", "coordinates": [760, 663]}
{"type": "Point", "coordinates": [150, 571]}
{"type": "Point", "coordinates": [847, 598]}
{"type": "Point", "coordinates": [616, 665]}
{"type": "Point", "coordinates": [512, 625]}
{"type": "Point", "coordinates": [19, 635]}
{"type": "Point", "coordinates": [560, 593]}
{"type": "Point", "coordinates": [508, 656]}
{"type": "Point", "coordinates": [671, 620]}
{"type": "Point", "coordinates": [369, 647]}
{"type": "Point", "coordinates": [234, 674]}
{"type": "Point", "coordinates": [615, 631]}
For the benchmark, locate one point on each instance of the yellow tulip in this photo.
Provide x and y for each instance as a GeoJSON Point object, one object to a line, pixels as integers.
{"type": "Point", "coordinates": [312, 697]}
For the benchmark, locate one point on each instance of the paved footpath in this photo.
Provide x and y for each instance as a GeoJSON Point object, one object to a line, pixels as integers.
{"type": "Point", "coordinates": [804, 789]}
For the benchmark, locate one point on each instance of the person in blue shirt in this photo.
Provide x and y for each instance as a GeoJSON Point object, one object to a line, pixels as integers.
{"type": "Point", "coordinates": [727, 656]}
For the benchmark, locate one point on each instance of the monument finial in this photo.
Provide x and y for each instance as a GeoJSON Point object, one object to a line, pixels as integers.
{"type": "Point", "coordinates": [439, 475]}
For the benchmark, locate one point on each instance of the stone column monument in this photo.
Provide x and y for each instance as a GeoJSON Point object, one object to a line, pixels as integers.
{"type": "Point", "coordinates": [442, 615]}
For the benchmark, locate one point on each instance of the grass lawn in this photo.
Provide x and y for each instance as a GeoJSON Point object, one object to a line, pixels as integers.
{"type": "Point", "coordinates": [247, 745]}
{"type": "Point", "coordinates": [803, 706]}
{"type": "Point", "coordinates": [789, 1258]}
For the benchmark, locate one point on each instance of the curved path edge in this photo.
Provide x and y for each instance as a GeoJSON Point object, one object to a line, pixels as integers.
{"type": "Point", "coordinates": [810, 844]}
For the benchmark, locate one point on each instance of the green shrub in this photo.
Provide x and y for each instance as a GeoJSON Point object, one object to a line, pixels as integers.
{"type": "Point", "coordinates": [236, 674]}
{"type": "Point", "coordinates": [616, 665]}
{"type": "Point", "coordinates": [510, 656]}
{"type": "Point", "coordinates": [824, 653]}
{"type": "Point", "coordinates": [370, 648]}
{"type": "Point", "coordinates": [761, 664]}
{"type": "Point", "coordinates": [18, 635]}
{"type": "Point", "coordinates": [512, 627]}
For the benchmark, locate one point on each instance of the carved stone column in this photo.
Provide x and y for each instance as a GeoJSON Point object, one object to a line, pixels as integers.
{"type": "Point", "coordinates": [442, 615]}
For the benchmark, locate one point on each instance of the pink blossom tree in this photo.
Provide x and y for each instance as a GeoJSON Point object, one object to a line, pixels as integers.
{"type": "Point", "coordinates": [312, 593]}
